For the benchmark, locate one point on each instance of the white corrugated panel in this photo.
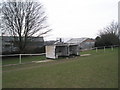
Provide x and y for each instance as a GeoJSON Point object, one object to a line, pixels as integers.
{"type": "Point", "coordinates": [50, 51]}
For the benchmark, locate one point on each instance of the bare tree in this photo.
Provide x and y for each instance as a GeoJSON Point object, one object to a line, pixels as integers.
{"type": "Point", "coordinates": [23, 20]}
{"type": "Point", "coordinates": [108, 36]}
{"type": "Point", "coordinates": [110, 29]}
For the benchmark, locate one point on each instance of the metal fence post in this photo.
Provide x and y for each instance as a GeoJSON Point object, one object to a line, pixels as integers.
{"type": "Point", "coordinates": [19, 58]}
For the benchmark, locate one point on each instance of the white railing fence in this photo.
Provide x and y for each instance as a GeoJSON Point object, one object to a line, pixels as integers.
{"type": "Point", "coordinates": [105, 47]}
{"type": "Point", "coordinates": [19, 56]}
{"type": "Point", "coordinates": [101, 47]}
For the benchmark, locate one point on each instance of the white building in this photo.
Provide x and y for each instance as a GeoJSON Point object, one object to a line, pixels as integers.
{"type": "Point", "coordinates": [83, 43]}
{"type": "Point", "coordinates": [57, 50]}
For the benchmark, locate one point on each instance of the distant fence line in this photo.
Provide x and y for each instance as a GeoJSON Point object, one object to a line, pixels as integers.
{"type": "Point", "coordinates": [107, 46]}
{"type": "Point", "coordinates": [20, 55]}
{"type": "Point", "coordinates": [104, 47]}
{"type": "Point", "coordinates": [101, 47]}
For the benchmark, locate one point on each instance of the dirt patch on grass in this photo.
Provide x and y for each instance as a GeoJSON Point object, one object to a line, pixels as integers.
{"type": "Point", "coordinates": [85, 55]}
{"type": "Point", "coordinates": [43, 61]}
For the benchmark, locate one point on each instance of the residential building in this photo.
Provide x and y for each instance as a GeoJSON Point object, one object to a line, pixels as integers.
{"type": "Point", "coordinates": [8, 45]}
{"type": "Point", "coordinates": [83, 43]}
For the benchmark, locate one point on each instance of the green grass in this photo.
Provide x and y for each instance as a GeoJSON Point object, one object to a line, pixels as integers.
{"type": "Point", "coordinates": [25, 59]}
{"type": "Point", "coordinates": [100, 70]}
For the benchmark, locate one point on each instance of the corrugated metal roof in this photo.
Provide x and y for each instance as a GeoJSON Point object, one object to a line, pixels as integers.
{"type": "Point", "coordinates": [11, 38]}
{"type": "Point", "coordinates": [76, 40]}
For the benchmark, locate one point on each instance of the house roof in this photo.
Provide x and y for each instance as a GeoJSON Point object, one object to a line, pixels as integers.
{"type": "Point", "coordinates": [76, 40]}
{"type": "Point", "coordinates": [62, 44]}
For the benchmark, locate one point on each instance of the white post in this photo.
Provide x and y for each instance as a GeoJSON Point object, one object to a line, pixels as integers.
{"type": "Point", "coordinates": [112, 48]}
{"type": "Point", "coordinates": [104, 48]}
{"type": "Point", "coordinates": [20, 59]}
{"type": "Point", "coordinates": [96, 49]}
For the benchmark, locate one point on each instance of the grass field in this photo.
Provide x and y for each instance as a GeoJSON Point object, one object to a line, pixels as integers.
{"type": "Point", "coordinates": [99, 70]}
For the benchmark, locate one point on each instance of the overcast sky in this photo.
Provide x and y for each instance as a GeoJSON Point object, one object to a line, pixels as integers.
{"type": "Point", "coordinates": [79, 18]}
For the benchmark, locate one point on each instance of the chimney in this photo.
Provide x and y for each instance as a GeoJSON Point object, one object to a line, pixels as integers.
{"type": "Point", "coordinates": [60, 39]}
